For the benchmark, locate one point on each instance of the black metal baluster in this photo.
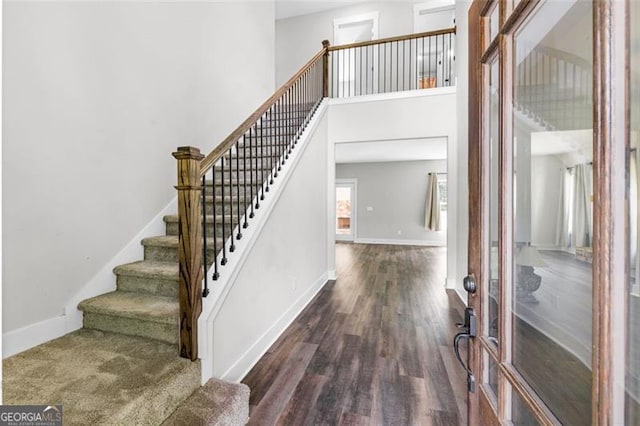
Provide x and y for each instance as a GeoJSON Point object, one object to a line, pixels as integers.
{"type": "Point", "coordinates": [223, 261]}
{"type": "Point", "coordinates": [232, 247]}
{"type": "Point", "coordinates": [384, 70]}
{"type": "Point", "coordinates": [216, 275]}
{"type": "Point", "coordinates": [244, 178]}
{"type": "Point", "coordinates": [281, 130]}
{"type": "Point", "coordinates": [397, 66]}
{"type": "Point", "coordinates": [359, 75]}
{"type": "Point", "coordinates": [239, 234]}
{"type": "Point", "coordinates": [262, 160]}
{"type": "Point", "coordinates": [403, 66]}
{"type": "Point", "coordinates": [272, 141]}
{"type": "Point", "coordinates": [424, 57]}
{"type": "Point", "coordinates": [378, 85]}
{"type": "Point", "coordinates": [265, 182]}
{"type": "Point", "coordinates": [253, 167]}
{"type": "Point", "coordinates": [410, 64]}
{"type": "Point", "coordinates": [344, 66]}
{"type": "Point", "coordinates": [205, 291]}
{"type": "Point", "coordinates": [266, 153]}
{"type": "Point", "coordinates": [366, 76]}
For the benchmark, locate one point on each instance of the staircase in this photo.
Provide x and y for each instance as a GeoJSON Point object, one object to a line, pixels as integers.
{"type": "Point", "coordinates": [145, 303]}
{"type": "Point", "coordinates": [123, 366]}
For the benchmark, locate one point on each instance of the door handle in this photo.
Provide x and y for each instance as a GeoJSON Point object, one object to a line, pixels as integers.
{"type": "Point", "coordinates": [469, 329]}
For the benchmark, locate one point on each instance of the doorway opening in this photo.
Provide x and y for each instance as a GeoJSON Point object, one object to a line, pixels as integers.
{"type": "Point", "coordinates": [346, 209]}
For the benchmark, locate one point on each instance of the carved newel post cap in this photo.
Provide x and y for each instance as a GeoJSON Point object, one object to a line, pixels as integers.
{"type": "Point", "coordinates": [325, 43]}
{"type": "Point", "coordinates": [188, 152]}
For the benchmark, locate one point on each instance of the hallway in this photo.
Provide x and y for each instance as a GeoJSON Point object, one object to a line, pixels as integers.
{"type": "Point", "coordinates": [372, 348]}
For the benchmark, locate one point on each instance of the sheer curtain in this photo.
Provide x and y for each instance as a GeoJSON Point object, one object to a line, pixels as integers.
{"type": "Point", "coordinates": [563, 236]}
{"type": "Point", "coordinates": [633, 213]}
{"type": "Point", "coordinates": [432, 208]}
{"type": "Point", "coordinates": [582, 205]}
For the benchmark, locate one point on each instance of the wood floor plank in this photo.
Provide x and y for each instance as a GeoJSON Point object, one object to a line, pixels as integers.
{"type": "Point", "coordinates": [371, 348]}
{"type": "Point", "coordinates": [277, 397]}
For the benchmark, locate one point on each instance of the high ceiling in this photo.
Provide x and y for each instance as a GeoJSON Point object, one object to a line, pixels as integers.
{"type": "Point", "coordinates": [289, 8]}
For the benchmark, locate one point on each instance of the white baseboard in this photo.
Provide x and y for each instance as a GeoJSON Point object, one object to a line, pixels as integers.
{"type": "Point", "coordinates": [429, 243]}
{"type": "Point", "coordinates": [331, 275]}
{"type": "Point", "coordinates": [249, 359]}
{"type": "Point", "coordinates": [24, 338]}
{"type": "Point", "coordinates": [105, 281]}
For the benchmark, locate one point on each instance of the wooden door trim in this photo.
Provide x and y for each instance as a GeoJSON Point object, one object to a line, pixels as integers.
{"type": "Point", "coordinates": [611, 129]}
{"type": "Point", "coordinates": [476, 201]}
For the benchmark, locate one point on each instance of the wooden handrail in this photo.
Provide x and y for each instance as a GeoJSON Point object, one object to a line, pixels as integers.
{"type": "Point", "coordinates": [391, 39]}
{"type": "Point", "coordinates": [243, 128]}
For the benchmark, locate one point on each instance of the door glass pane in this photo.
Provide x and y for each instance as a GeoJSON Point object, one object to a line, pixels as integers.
{"type": "Point", "coordinates": [494, 22]}
{"type": "Point", "coordinates": [343, 210]}
{"type": "Point", "coordinates": [553, 207]}
{"type": "Point", "coordinates": [491, 379]}
{"type": "Point", "coordinates": [520, 414]}
{"type": "Point", "coordinates": [633, 309]}
{"type": "Point", "coordinates": [491, 326]}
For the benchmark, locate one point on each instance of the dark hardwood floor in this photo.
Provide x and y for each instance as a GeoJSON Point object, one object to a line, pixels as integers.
{"type": "Point", "coordinates": [373, 347]}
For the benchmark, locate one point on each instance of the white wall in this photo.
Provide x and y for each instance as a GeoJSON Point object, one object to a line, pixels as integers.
{"type": "Point", "coordinates": [396, 193]}
{"type": "Point", "coordinates": [545, 199]}
{"type": "Point", "coordinates": [96, 97]}
{"type": "Point", "coordinates": [460, 166]}
{"type": "Point", "coordinates": [300, 37]}
{"type": "Point", "coordinates": [286, 267]}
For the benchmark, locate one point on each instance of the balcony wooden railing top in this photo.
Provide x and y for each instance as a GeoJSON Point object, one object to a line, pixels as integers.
{"type": "Point", "coordinates": [219, 194]}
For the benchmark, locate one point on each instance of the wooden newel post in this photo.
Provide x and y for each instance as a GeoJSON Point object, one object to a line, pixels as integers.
{"type": "Point", "coordinates": [325, 69]}
{"type": "Point", "coordinates": [189, 248]}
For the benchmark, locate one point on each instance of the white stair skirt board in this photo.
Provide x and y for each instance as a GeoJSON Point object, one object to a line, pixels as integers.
{"type": "Point", "coordinates": [250, 358]}
{"type": "Point", "coordinates": [428, 243]}
{"type": "Point", "coordinates": [212, 304]}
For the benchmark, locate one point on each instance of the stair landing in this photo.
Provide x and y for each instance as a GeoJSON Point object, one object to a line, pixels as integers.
{"type": "Point", "coordinates": [102, 378]}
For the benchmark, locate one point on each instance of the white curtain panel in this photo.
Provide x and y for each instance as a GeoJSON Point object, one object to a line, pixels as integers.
{"type": "Point", "coordinates": [582, 205]}
{"type": "Point", "coordinates": [563, 238]}
{"type": "Point", "coordinates": [432, 208]}
{"type": "Point", "coordinates": [633, 212]}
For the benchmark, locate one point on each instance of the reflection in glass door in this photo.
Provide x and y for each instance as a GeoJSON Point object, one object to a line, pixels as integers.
{"type": "Point", "coordinates": [552, 149]}
{"type": "Point", "coordinates": [345, 209]}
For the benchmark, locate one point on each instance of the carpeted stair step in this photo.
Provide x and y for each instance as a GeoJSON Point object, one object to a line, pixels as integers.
{"type": "Point", "coordinates": [172, 224]}
{"type": "Point", "coordinates": [165, 248]}
{"type": "Point", "coordinates": [215, 403]}
{"type": "Point", "coordinates": [134, 314]}
{"type": "Point", "coordinates": [148, 277]}
{"type": "Point", "coordinates": [102, 378]}
{"type": "Point", "coordinates": [244, 202]}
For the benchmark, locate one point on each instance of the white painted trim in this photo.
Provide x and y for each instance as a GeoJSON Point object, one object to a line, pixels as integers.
{"type": "Point", "coordinates": [429, 243]}
{"type": "Point", "coordinates": [332, 275]}
{"type": "Point", "coordinates": [105, 281]}
{"type": "Point", "coordinates": [374, 17]}
{"type": "Point", "coordinates": [354, 209]}
{"type": "Point", "coordinates": [245, 363]}
{"type": "Point", "coordinates": [462, 295]}
{"type": "Point", "coordinates": [212, 304]}
{"type": "Point", "coordinates": [24, 338]}
{"type": "Point", "coordinates": [436, 91]}
{"type": "Point", "coordinates": [450, 283]}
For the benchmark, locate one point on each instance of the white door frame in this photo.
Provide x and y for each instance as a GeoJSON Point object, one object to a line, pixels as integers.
{"type": "Point", "coordinates": [353, 184]}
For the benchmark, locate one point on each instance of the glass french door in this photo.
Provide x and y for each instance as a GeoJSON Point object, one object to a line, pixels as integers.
{"type": "Point", "coordinates": [553, 178]}
{"type": "Point", "coordinates": [345, 209]}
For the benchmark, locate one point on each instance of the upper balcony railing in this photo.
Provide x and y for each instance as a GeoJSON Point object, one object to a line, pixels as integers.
{"type": "Point", "coordinates": [395, 64]}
